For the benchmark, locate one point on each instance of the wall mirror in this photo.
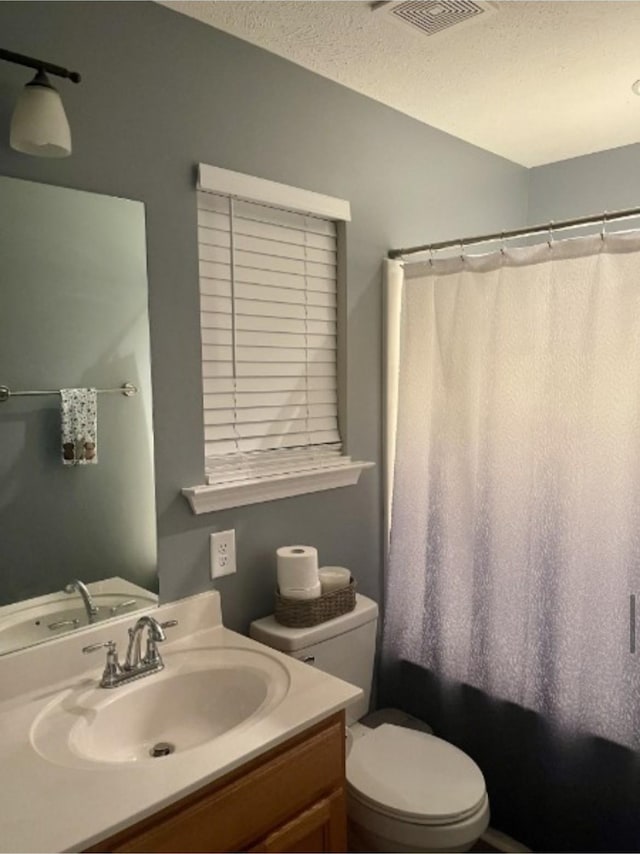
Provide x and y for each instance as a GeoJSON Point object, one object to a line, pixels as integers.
{"type": "Point", "coordinates": [73, 314]}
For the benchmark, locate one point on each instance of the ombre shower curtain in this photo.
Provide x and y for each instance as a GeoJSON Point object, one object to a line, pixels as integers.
{"type": "Point", "coordinates": [515, 524]}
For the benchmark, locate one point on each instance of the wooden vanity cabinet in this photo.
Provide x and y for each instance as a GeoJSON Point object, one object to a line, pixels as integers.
{"type": "Point", "coordinates": [292, 798]}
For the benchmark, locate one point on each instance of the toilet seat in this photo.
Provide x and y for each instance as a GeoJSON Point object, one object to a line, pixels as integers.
{"type": "Point", "coordinates": [414, 777]}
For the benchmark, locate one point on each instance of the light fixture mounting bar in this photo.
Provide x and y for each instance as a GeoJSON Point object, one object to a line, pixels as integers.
{"type": "Point", "coordinates": [39, 65]}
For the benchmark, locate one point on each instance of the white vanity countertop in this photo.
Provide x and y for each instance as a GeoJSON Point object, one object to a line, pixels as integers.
{"type": "Point", "coordinates": [57, 807]}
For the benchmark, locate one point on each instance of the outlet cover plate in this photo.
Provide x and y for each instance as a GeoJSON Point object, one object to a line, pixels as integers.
{"type": "Point", "coordinates": [223, 553]}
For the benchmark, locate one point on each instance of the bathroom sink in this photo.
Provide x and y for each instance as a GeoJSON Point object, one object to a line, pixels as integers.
{"type": "Point", "coordinates": [200, 696]}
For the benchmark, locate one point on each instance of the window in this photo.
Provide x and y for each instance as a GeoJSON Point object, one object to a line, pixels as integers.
{"type": "Point", "coordinates": [268, 295]}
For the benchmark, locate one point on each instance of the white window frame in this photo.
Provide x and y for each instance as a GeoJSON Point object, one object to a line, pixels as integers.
{"type": "Point", "coordinates": [208, 498]}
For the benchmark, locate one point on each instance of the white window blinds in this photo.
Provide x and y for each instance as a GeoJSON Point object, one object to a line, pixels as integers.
{"type": "Point", "coordinates": [268, 293]}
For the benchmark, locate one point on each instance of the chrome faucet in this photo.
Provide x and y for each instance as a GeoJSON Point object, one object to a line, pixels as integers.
{"type": "Point", "coordinates": [89, 605]}
{"type": "Point", "coordinates": [135, 665]}
{"type": "Point", "coordinates": [155, 635]}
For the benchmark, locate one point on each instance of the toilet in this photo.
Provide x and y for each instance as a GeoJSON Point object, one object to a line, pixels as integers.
{"type": "Point", "coordinates": [406, 789]}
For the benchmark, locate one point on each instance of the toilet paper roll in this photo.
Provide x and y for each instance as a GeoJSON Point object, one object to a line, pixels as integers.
{"type": "Point", "coordinates": [297, 569]}
{"type": "Point", "coordinates": [334, 578]}
{"type": "Point", "coordinates": [302, 593]}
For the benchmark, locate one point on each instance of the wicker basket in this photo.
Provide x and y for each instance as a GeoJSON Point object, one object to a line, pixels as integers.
{"type": "Point", "coordinates": [303, 613]}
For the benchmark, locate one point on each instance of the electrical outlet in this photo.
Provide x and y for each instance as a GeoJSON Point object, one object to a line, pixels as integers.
{"type": "Point", "coordinates": [223, 553]}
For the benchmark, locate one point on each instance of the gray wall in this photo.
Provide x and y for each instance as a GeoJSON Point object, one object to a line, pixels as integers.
{"type": "Point", "coordinates": [608, 180]}
{"type": "Point", "coordinates": [162, 92]}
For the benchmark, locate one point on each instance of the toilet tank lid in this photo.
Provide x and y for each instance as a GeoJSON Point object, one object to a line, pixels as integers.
{"type": "Point", "coordinates": [286, 639]}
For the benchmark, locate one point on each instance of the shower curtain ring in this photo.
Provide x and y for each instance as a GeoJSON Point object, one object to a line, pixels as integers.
{"type": "Point", "coordinates": [502, 247]}
{"type": "Point", "coordinates": [431, 256]}
{"type": "Point", "coordinates": [550, 240]}
{"type": "Point", "coordinates": [603, 232]}
{"type": "Point", "coordinates": [461, 250]}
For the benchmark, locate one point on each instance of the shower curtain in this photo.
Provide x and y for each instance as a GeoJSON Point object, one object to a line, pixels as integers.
{"type": "Point", "coordinates": [514, 465]}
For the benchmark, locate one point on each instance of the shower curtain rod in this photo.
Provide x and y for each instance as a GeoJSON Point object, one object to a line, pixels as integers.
{"type": "Point", "coordinates": [516, 232]}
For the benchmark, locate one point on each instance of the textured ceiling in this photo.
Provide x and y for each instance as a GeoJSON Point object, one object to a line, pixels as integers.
{"type": "Point", "coordinates": [537, 82]}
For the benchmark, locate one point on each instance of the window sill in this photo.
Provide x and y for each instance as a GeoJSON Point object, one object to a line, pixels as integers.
{"type": "Point", "coordinates": [208, 499]}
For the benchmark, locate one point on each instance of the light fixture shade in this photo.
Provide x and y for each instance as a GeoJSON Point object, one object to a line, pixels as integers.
{"type": "Point", "coordinates": [39, 124]}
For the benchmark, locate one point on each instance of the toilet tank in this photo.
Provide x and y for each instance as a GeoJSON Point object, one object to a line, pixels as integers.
{"type": "Point", "coordinates": [344, 647]}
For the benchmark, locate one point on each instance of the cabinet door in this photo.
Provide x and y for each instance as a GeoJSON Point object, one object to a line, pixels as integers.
{"type": "Point", "coordinates": [320, 828]}
{"type": "Point", "coordinates": [255, 802]}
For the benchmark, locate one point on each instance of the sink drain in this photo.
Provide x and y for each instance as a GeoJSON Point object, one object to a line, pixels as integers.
{"type": "Point", "coordinates": [162, 748]}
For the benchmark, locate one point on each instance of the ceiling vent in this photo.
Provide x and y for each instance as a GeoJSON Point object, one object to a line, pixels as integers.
{"type": "Point", "coordinates": [431, 17]}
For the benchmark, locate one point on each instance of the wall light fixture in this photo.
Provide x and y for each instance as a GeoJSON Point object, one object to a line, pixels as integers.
{"type": "Point", "coordinates": [39, 124]}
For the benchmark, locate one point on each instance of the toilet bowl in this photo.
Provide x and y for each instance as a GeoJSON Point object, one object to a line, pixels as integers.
{"type": "Point", "coordinates": [407, 790]}
{"type": "Point", "coordinates": [411, 791]}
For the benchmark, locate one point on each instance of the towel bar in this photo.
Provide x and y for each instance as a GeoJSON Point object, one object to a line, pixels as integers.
{"type": "Point", "coordinates": [128, 389]}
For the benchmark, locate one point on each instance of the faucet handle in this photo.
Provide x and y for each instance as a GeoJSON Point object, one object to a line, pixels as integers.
{"type": "Point", "coordinates": [128, 603]}
{"type": "Point", "coordinates": [152, 656]}
{"type": "Point", "coordinates": [94, 647]}
{"type": "Point", "coordinates": [112, 666]}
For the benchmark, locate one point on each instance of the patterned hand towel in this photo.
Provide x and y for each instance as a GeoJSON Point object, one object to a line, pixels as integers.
{"type": "Point", "coordinates": [79, 422]}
